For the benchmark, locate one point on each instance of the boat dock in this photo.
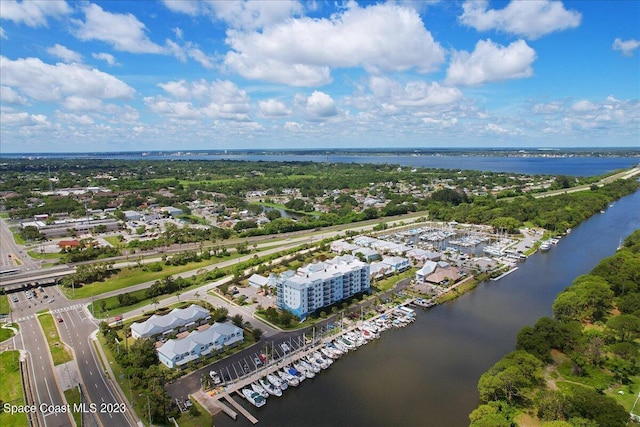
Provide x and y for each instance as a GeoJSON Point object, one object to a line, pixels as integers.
{"type": "Point", "coordinates": [212, 400]}
{"type": "Point", "coordinates": [240, 409]}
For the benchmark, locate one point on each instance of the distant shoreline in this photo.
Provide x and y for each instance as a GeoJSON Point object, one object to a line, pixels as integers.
{"type": "Point", "coordinates": [488, 152]}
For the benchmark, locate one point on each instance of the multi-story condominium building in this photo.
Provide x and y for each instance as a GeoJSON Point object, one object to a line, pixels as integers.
{"type": "Point", "coordinates": [321, 284]}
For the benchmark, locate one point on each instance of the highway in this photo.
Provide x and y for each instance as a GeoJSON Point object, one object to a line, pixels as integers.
{"type": "Point", "coordinates": [46, 392]}
{"type": "Point", "coordinates": [75, 330]}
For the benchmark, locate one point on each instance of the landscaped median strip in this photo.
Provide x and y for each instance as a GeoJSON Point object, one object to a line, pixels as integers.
{"type": "Point", "coordinates": [59, 352]}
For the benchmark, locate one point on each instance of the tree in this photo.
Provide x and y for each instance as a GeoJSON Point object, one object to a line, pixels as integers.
{"type": "Point", "coordinates": [510, 377]}
{"type": "Point", "coordinates": [625, 327]}
{"type": "Point", "coordinates": [256, 333]}
{"type": "Point", "coordinates": [142, 354]}
{"type": "Point", "coordinates": [237, 320]}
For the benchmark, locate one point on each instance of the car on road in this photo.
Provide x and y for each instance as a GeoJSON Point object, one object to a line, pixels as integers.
{"type": "Point", "coordinates": [60, 320]}
{"type": "Point", "coordinates": [14, 298]}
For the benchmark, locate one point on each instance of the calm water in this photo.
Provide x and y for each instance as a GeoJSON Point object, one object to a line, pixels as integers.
{"type": "Point", "coordinates": [426, 374]}
{"type": "Point", "coordinates": [575, 166]}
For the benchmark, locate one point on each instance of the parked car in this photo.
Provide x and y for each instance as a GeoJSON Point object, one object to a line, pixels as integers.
{"type": "Point", "coordinates": [215, 377]}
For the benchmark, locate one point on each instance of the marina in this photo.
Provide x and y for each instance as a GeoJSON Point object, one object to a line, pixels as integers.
{"type": "Point", "coordinates": [427, 374]}
{"type": "Point", "coordinates": [277, 375]}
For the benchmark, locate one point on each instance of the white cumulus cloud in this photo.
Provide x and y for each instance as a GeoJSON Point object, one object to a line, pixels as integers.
{"type": "Point", "coordinates": [301, 52]}
{"type": "Point", "coordinates": [320, 105]}
{"type": "Point", "coordinates": [123, 31]}
{"type": "Point", "coordinates": [414, 93]}
{"type": "Point", "coordinates": [220, 99]}
{"type": "Point", "coordinates": [64, 53]}
{"type": "Point", "coordinates": [106, 57]}
{"type": "Point", "coordinates": [627, 47]}
{"type": "Point", "coordinates": [10, 96]}
{"type": "Point", "coordinates": [532, 18]}
{"type": "Point", "coordinates": [246, 14]}
{"type": "Point", "coordinates": [33, 13]}
{"type": "Point", "coordinates": [491, 62]}
{"type": "Point", "coordinates": [45, 82]}
{"type": "Point", "coordinates": [273, 108]}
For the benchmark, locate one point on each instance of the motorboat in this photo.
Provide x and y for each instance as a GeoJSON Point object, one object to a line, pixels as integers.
{"type": "Point", "coordinates": [307, 371]}
{"type": "Point", "coordinates": [271, 389]}
{"type": "Point", "coordinates": [290, 379]}
{"type": "Point", "coordinates": [254, 397]}
{"type": "Point", "coordinates": [277, 382]}
{"type": "Point", "coordinates": [260, 390]}
{"type": "Point", "coordinates": [296, 373]}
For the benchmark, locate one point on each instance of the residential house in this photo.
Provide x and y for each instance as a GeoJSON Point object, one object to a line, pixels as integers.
{"type": "Point", "coordinates": [177, 320]}
{"type": "Point", "coordinates": [178, 352]}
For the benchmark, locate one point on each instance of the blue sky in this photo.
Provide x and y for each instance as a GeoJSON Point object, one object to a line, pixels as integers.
{"type": "Point", "coordinates": [189, 75]}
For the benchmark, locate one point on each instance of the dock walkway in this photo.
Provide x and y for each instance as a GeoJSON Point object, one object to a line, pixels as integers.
{"type": "Point", "coordinates": [240, 409]}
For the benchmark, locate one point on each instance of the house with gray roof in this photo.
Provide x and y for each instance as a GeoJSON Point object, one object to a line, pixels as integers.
{"type": "Point", "coordinates": [178, 352]}
{"type": "Point", "coordinates": [177, 320]}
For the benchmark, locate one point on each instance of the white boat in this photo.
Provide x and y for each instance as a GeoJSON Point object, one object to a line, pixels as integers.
{"type": "Point", "coordinates": [337, 344]}
{"type": "Point", "coordinates": [296, 373]}
{"type": "Point", "coordinates": [328, 352]}
{"type": "Point", "coordinates": [545, 246]}
{"type": "Point", "coordinates": [322, 358]}
{"type": "Point", "coordinates": [254, 397]}
{"type": "Point", "coordinates": [290, 379]}
{"type": "Point", "coordinates": [307, 372]}
{"type": "Point", "coordinates": [277, 382]}
{"type": "Point", "coordinates": [309, 366]}
{"type": "Point", "coordinates": [270, 387]}
{"type": "Point", "coordinates": [259, 389]}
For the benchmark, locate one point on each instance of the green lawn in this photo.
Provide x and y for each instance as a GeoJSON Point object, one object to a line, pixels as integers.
{"type": "Point", "coordinates": [456, 292]}
{"type": "Point", "coordinates": [630, 393]}
{"type": "Point", "coordinates": [59, 352]}
{"type": "Point", "coordinates": [114, 241]}
{"type": "Point", "coordinates": [5, 334]}
{"type": "Point", "coordinates": [11, 390]}
{"type": "Point", "coordinates": [389, 282]}
{"type": "Point", "coordinates": [5, 308]}
{"type": "Point", "coordinates": [129, 277]}
{"type": "Point", "coordinates": [39, 255]}
{"type": "Point", "coordinates": [73, 396]}
{"type": "Point", "coordinates": [198, 417]}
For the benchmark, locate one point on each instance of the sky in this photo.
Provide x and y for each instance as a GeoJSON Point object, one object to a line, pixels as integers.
{"type": "Point", "coordinates": [96, 76]}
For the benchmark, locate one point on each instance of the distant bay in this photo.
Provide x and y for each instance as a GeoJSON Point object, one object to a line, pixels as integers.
{"type": "Point", "coordinates": [551, 163]}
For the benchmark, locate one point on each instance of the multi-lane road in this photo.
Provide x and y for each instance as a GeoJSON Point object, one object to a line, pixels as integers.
{"type": "Point", "coordinates": [76, 328]}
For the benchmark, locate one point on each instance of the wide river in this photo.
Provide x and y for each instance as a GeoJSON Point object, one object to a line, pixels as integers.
{"type": "Point", "coordinates": [426, 374]}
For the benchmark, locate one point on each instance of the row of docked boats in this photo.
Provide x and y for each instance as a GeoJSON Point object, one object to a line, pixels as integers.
{"type": "Point", "coordinates": [313, 362]}
{"type": "Point", "coordinates": [276, 382]}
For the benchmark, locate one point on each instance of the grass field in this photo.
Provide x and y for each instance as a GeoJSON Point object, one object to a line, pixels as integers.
{"type": "Point", "coordinates": [5, 334]}
{"type": "Point", "coordinates": [198, 417]}
{"type": "Point", "coordinates": [5, 308]}
{"type": "Point", "coordinates": [73, 396]}
{"type": "Point", "coordinates": [11, 390]}
{"type": "Point", "coordinates": [46, 255]}
{"type": "Point", "coordinates": [128, 277]}
{"type": "Point", "coordinates": [59, 352]}
{"type": "Point", "coordinates": [456, 292]}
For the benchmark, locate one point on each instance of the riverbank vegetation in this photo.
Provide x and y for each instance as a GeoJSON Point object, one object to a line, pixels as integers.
{"type": "Point", "coordinates": [582, 367]}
